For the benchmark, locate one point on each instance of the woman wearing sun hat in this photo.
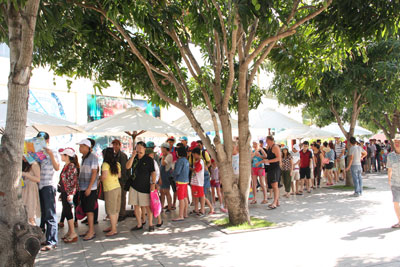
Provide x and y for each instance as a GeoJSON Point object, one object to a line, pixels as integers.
{"type": "Point", "coordinates": [69, 187]}
{"type": "Point", "coordinates": [393, 166]}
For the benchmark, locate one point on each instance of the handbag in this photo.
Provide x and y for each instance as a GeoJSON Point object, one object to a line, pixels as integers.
{"type": "Point", "coordinates": [155, 204]}
{"type": "Point", "coordinates": [100, 191]}
{"type": "Point", "coordinates": [326, 161]}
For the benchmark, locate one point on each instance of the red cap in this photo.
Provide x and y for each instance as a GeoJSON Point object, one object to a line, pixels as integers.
{"type": "Point", "coordinates": [193, 145]}
{"type": "Point", "coordinates": [171, 138]}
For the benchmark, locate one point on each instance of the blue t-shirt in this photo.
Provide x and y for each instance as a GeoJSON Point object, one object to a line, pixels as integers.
{"type": "Point", "coordinates": [256, 160]}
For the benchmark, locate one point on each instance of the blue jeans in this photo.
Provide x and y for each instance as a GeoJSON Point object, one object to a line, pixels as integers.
{"type": "Point", "coordinates": [356, 171]}
{"type": "Point", "coordinates": [49, 217]}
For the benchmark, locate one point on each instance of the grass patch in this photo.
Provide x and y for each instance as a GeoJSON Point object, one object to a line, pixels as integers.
{"type": "Point", "coordinates": [255, 223]}
{"type": "Point", "coordinates": [346, 188]}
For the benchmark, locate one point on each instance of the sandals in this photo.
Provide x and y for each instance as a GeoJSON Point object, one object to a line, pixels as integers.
{"type": "Point", "coordinates": [211, 212]}
{"type": "Point", "coordinates": [264, 201]}
{"type": "Point", "coordinates": [253, 202]}
{"type": "Point", "coordinates": [272, 207]}
{"type": "Point", "coordinates": [160, 224]}
{"type": "Point", "coordinates": [70, 240]}
{"type": "Point", "coordinates": [137, 228]}
{"type": "Point", "coordinates": [48, 248]}
{"type": "Point", "coordinates": [90, 238]}
{"type": "Point", "coordinates": [111, 234]}
{"type": "Point", "coordinates": [397, 225]}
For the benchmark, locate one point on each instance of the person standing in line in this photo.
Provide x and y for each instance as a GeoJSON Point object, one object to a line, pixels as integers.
{"type": "Point", "coordinates": [30, 192]}
{"type": "Point", "coordinates": [110, 175]}
{"type": "Point", "coordinates": [273, 158]}
{"type": "Point", "coordinates": [150, 152]}
{"type": "Point", "coordinates": [340, 150]}
{"type": "Point", "coordinates": [305, 167]}
{"type": "Point", "coordinates": [287, 169]}
{"type": "Point", "coordinates": [166, 172]}
{"type": "Point", "coordinates": [47, 195]}
{"type": "Point", "coordinates": [328, 162]}
{"type": "Point", "coordinates": [318, 159]}
{"type": "Point", "coordinates": [393, 166]}
{"type": "Point", "coordinates": [257, 172]}
{"type": "Point", "coordinates": [69, 187]}
{"type": "Point", "coordinates": [181, 176]}
{"type": "Point", "coordinates": [368, 158]}
{"type": "Point", "coordinates": [373, 154]}
{"type": "Point", "coordinates": [122, 159]}
{"type": "Point", "coordinates": [197, 182]}
{"type": "Point", "coordinates": [143, 183]}
{"type": "Point", "coordinates": [356, 154]}
{"type": "Point", "coordinates": [296, 169]}
{"type": "Point", "coordinates": [88, 178]}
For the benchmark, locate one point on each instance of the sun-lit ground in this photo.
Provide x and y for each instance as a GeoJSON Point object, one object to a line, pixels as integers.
{"type": "Point", "coordinates": [325, 228]}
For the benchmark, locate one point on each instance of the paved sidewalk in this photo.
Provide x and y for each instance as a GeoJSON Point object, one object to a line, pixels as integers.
{"type": "Point", "coordinates": [325, 228]}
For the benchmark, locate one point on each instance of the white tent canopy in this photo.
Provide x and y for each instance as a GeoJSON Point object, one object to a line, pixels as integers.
{"type": "Point", "coordinates": [269, 118]}
{"type": "Point", "coordinates": [133, 119]}
{"type": "Point", "coordinates": [204, 118]}
{"type": "Point", "coordinates": [37, 122]}
{"type": "Point", "coordinates": [334, 128]}
{"type": "Point", "coordinates": [303, 133]}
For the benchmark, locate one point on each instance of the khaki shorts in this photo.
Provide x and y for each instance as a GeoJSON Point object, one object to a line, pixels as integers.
{"type": "Point", "coordinates": [138, 199]}
{"type": "Point", "coordinates": [296, 175]}
{"type": "Point", "coordinates": [340, 164]}
{"type": "Point", "coordinates": [112, 200]}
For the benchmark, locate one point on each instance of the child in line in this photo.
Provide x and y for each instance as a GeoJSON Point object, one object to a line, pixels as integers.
{"type": "Point", "coordinates": [197, 182]}
{"type": "Point", "coordinates": [151, 154]}
{"type": "Point", "coordinates": [181, 176]}
{"type": "Point", "coordinates": [216, 185]}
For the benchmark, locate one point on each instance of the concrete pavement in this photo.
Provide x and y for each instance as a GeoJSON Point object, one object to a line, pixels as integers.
{"type": "Point", "coordinates": [325, 228]}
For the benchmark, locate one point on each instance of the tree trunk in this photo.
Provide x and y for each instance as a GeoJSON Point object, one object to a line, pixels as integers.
{"type": "Point", "coordinates": [20, 242]}
{"type": "Point", "coordinates": [236, 202]}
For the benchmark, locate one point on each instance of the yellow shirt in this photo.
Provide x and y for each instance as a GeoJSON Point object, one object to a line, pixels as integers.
{"type": "Point", "coordinates": [112, 181]}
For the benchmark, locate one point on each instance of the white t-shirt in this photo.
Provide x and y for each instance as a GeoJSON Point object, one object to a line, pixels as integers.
{"type": "Point", "coordinates": [169, 162]}
{"type": "Point", "coordinates": [296, 158]}
{"type": "Point", "coordinates": [355, 151]}
{"type": "Point", "coordinates": [235, 164]}
{"type": "Point", "coordinates": [198, 177]}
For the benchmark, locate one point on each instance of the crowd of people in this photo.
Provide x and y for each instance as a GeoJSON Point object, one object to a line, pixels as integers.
{"type": "Point", "coordinates": [185, 176]}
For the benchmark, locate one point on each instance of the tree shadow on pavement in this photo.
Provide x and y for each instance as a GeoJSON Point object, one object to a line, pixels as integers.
{"type": "Point", "coordinates": [369, 232]}
{"type": "Point", "coordinates": [367, 261]}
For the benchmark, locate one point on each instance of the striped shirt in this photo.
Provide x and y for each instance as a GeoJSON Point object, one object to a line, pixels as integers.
{"type": "Point", "coordinates": [339, 149]}
{"type": "Point", "coordinates": [85, 174]}
{"type": "Point", "coordinates": [47, 172]}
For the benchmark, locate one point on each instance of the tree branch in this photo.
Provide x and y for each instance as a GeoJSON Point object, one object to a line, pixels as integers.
{"type": "Point", "coordinates": [231, 57]}
{"type": "Point", "coordinates": [290, 31]}
{"type": "Point", "coordinates": [338, 119]}
{"type": "Point", "coordinates": [223, 28]}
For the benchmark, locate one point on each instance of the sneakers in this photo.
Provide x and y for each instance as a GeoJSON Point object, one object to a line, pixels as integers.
{"type": "Point", "coordinates": [356, 195]}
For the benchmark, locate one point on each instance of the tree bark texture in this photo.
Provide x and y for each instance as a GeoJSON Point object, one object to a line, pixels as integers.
{"type": "Point", "coordinates": [19, 241]}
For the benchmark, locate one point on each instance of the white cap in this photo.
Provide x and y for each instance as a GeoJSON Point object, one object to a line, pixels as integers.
{"type": "Point", "coordinates": [67, 151]}
{"type": "Point", "coordinates": [396, 137]}
{"type": "Point", "coordinates": [296, 146]}
{"type": "Point", "coordinates": [85, 142]}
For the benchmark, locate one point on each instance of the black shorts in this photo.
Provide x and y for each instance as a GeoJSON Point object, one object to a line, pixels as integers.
{"type": "Point", "coordinates": [305, 173]}
{"type": "Point", "coordinates": [88, 203]}
{"type": "Point", "coordinates": [273, 176]}
{"type": "Point", "coordinates": [329, 166]}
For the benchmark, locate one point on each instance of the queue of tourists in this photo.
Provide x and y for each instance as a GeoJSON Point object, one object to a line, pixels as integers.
{"type": "Point", "coordinates": [183, 175]}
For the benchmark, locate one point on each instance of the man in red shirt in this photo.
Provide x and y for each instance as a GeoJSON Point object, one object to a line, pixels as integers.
{"type": "Point", "coordinates": [305, 166]}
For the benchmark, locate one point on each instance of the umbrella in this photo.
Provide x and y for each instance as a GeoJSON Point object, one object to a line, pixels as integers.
{"type": "Point", "coordinates": [37, 122]}
{"type": "Point", "coordinates": [302, 133]}
{"type": "Point", "coordinates": [204, 118]}
{"type": "Point", "coordinates": [132, 119]}
{"type": "Point", "coordinates": [334, 128]}
{"type": "Point", "coordinates": [269, 118]}
{"type": "Point", "coordinates": [379, 136]}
